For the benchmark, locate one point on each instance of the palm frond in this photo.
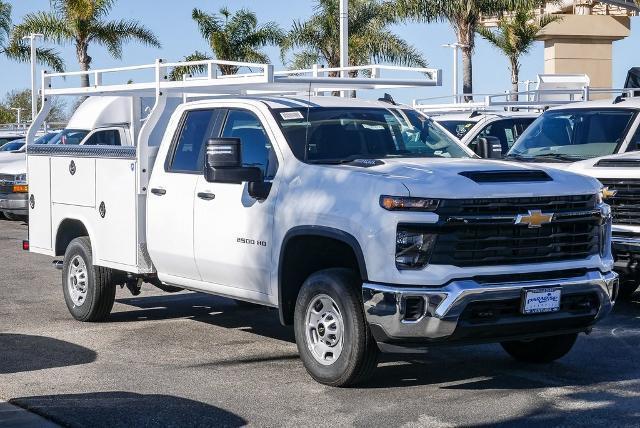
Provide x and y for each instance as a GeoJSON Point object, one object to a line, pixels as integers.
{"type": "Point", "coordinates": [5, 22]}
{"type": "Point", "coordinates": [49, 24]}
{"type": "Point", "coordinates": [115, 33]}
{"type": "Point", "coordinates": [178, 72]}
{"type": "Point", "coordinates": [19, 51]}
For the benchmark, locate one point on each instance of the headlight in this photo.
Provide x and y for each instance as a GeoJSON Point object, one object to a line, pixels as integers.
{"type": "Point", "coordinates": [20, 179]}
{"type": "Point", "coordinates": [405, 203]}
{"type": "Point", "coordinates": [413, 248]}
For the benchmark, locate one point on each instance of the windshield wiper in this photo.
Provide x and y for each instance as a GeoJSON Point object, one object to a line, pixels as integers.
{"type": "Point", "coordinates": [560, 157]}
{"type": "Point", "coordinates": [519, 157]}
{"type": "Point", "coordinates": [338, 161]}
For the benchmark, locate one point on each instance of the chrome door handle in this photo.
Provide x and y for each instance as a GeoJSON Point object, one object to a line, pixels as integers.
{"type": "Point", "coordinates": [158, 191]}
{"type": "Point", "coordinates": [206, 196]}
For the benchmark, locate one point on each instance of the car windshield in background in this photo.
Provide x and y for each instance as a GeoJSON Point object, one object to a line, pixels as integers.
{"type": "Point", "coordinates": [571, 135]}
{"type": "Point", "coordinates": [69, 136]}
{"type": "Point", "coordinates": [339, 135]}
{"type": "Point", "coordinates": [459, 128]}
{"type": "Point", "coordinates": [12, 146]}
{"type": "Point", "coordinates": [46, 138]}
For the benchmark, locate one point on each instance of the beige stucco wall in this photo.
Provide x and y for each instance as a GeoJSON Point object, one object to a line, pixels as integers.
{"type": "Point", "coordinates": [583, 44]}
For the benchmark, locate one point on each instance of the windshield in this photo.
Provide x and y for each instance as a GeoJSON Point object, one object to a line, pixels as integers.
{"type": "Point", "coordinates": [14, 145]}
{"type": "Point", "coordinates": [573, 134]}
{"type": "Point", "coordinates": [336, 135]}
{"type": "Point", "coordinates": [46, 138]}
{"type": "Point", "coordinates": [459, 128]}
{"type": "Point", "coordinates": [69, 136]}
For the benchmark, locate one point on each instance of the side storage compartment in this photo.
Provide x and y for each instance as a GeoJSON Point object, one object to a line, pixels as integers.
{"type": "Point", "coordinates": [116, 213]}
{"type": "Point", "coordinates": [74, 181]}
{"type": "Point", "coordinates": [39, 177]}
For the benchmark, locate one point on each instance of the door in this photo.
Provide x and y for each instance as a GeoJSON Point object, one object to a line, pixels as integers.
{"type": "Point", "coordinates": [232, 239]}
{"type": "Point", "coordinates": [171, 196]}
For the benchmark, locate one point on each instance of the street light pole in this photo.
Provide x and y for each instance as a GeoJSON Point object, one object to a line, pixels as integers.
{"type": "Point", "coordinates": [455, 47]}
{"type": "Point", "coordinates": [344, 38]}
{"type": "Point", "coordinates": [18, 110]}
{"type": "Point", "coordinates": [34, 98]}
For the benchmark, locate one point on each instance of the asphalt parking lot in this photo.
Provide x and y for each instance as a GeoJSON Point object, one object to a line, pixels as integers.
{"type": "Point", "coordinates": [190, 359]}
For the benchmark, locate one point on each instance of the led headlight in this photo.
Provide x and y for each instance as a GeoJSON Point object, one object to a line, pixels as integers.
{"type": "Point", "coordinates": [413, 248]}
{"type": "Point", "coordinates": [405, 203]}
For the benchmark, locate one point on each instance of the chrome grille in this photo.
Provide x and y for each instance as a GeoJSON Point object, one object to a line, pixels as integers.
{"type": "Point", "coordinates": [625, 205]}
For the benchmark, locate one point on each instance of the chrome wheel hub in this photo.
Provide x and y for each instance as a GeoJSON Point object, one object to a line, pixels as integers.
{"type": "Point", "coordinates": [77, 281]}
{"type": "Point", "coordinates": [324, 329]}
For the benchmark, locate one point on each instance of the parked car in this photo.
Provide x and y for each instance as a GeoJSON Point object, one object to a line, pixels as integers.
{"type": "Point", "coordinates": [580, 137]}
{"type": "Point", "coordinates": [506, 127]}
{"type": "Point", "coordinates": [12, 146]}
{"type": "Point", "coordinates": [366, 225]}
{"type": "Point", "coordinates": [13, 184]}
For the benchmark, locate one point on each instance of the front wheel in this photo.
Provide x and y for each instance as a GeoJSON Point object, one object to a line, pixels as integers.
{"type": "Point", "coordinates": [542, 350]}
{"type": "Point", "coordinates": [333, 338]}
{"type": "Point", "coordinates": [89, 291]}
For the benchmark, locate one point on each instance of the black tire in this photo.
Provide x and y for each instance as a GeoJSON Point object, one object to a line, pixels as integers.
{"type": "Point", "coordinates": [628, 286]}
{"type": "Point", "coordinates": [542, 350]}
{"type": "Point", "coordinates": [101, 289]}
{"type": "Point", "coordinates": [359, 356]}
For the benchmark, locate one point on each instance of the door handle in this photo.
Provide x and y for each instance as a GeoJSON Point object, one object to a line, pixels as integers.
{"type": "Point", "coordinates": [158, 191]}
{"type": "Point", "coordinates": [206, 196]}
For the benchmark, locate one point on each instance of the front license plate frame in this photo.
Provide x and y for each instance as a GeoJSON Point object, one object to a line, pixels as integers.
{"type": "Point", "coordinates": [541, 300]}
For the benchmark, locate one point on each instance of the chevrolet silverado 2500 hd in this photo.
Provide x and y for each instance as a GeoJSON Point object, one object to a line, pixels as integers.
{"type": "Point", "coordinates": [599, 139]}
{"type": "Point", "coordinates": [366, 224]}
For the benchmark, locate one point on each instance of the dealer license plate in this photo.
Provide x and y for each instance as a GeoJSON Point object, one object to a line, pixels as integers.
{"type": "Point", "coordinates": [541, 300]}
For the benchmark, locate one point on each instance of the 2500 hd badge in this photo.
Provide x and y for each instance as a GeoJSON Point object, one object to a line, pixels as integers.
{"type": "Point", "coordinates": [250, 241]}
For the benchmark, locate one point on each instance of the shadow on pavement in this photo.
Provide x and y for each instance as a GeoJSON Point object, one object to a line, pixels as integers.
{"type": "Point", "coordinates": [117, 408]}
{"type": "Point", "coordinates": [205, 308]}
{"type": "Point", "coordinates": [43, 353]}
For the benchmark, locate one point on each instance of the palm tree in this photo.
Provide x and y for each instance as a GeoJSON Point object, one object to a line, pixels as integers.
{"type": "Point", "coordinates": [370, 39]}
{"type": "Point", "coordinates": [83, 22]}
{"type": "Point", "coordinates": [514, 36]}
{"type": "Point", "coordinates": [17, 50]}
{"type": "Point", "coordinates": [232, 37]}
{"type": "Point", "coordinates": [464, 16]}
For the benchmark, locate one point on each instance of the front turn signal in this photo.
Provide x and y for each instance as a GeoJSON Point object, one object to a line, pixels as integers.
{"type": "Point", "coordinates": [20, 188]}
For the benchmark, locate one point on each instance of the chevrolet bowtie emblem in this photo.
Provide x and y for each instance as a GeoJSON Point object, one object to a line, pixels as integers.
{"type": "Point", "coordinates": [608, 193]}
{"type": "Point", "coordinates": [535, 218]}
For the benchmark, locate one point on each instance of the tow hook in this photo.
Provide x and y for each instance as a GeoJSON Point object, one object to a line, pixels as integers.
{"type": "Point", "coordinates": [57, 264]}
{"type": "Point", "coordinates": [134, 285]}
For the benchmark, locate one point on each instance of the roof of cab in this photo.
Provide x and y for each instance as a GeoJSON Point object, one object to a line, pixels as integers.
{"type": "Point", "coordinates": [632, 102]}
{"type": "Point", "coordinates": [281, 102]}
{"type": "Point", "coordinates": [100, 111]}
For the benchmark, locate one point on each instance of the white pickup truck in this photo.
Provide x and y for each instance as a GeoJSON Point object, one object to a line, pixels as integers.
{"type": "Point", "coordinates": [363, 222]}
{"type": "Point", "coordinates": [600, 139]}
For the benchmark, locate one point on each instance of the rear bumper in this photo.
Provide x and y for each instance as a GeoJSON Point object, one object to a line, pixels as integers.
{"type": "Point", "coordinates": [449, 315]}
{"type": "Point", "coordinates": [14, 203]}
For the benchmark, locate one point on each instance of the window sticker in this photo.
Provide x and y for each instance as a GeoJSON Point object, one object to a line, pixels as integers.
{"type": "Point", "coordinates": [291, 115]}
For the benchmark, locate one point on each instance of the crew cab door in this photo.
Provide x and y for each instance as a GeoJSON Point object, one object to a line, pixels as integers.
{"type": "Point", "coordinates": [170, 202]}
{"type": "Point", "coordinates": [232, 230]}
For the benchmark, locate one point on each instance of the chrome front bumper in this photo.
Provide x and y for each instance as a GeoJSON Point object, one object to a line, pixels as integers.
{"type": "Point", "coordinates": [14, 203]}
{"type": "Point", "coordinates": [627, 244]}
{"type": "Point", "coordinates": [385, 305]}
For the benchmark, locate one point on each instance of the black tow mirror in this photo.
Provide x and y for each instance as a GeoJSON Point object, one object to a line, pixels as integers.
{"type": "Point", "coordinates": [223, 163]}
{"type": "Point", "coordinates": [489, 148]}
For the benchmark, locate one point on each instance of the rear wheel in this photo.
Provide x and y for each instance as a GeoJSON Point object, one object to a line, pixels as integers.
{"type": "Point", "coordinates": [89, 291]}
{"type": "Point", "coordinates": [333, 338]}
{"type": "Point", "coordinates": [542, 350]}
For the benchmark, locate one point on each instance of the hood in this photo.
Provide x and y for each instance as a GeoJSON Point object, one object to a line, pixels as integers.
{"type": "Point", "coordinates": [624, 165]}
{"type": "Point", "coordinates": [13, 163]}
{"type": "Point", "coordinates": [475, 178]}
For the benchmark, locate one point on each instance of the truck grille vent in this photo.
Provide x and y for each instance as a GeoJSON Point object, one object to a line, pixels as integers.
{"type": "Point", "coordinates": [506, 176]}
{"type": "Point", "coordinates": [506, 244]}
{"type": "Point", "coordinates": [625, 205]}
{"type": "Point", "coordinates": [618, 163]}
{"type": "Point", "coordinates": [515, 206]}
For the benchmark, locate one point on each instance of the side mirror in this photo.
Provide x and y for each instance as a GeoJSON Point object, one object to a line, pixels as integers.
{"type": "Point", "coordinates": [223, 163]}
{"type": "Point", "coordinates": [489, 148]}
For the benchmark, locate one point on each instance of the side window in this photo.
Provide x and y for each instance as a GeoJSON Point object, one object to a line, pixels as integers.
{"type": "Point", "coordinates": [256, 146]}
{"type": "Point", "coordinates": [108, 137]}
{"type": "Point", "coordinates": [197, 127]}
{"type": "Point", "coordinates": [634, 144]}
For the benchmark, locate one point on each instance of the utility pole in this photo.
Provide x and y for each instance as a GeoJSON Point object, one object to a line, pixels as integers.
{"type": "Point", "coordinates": [455, 47]}
{"type": "Point", "coordinates": [344, 38]}
{"type": "Point", "coordinates": [34, 93]}
{"type": "Point", "coordinates": [18, 110]}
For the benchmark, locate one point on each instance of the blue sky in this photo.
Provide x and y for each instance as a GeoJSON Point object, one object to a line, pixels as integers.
{"type": "Point", "coordinates": [172, 23]}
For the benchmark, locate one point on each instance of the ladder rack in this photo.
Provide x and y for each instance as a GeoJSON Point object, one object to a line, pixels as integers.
{"type": "Point", "coordinates": [261, 79]}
